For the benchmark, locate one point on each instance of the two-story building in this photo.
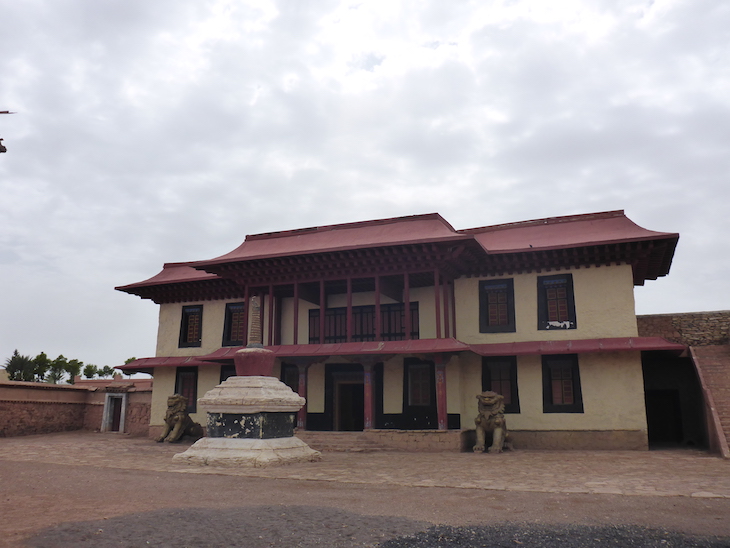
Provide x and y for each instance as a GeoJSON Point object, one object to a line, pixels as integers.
{"type": "Point", "coordinates": [397, 324]}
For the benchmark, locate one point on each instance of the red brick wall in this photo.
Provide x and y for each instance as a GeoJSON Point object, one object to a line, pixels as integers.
{"type": "Point", "coordinates": [24, 418]}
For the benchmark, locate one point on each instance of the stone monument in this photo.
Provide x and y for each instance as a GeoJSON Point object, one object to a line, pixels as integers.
{"type": "Point", "coordinates": [491, 419]}
{"type": "Point", "coordinates": [251, 416]}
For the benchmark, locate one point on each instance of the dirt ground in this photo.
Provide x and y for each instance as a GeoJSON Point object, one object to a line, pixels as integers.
{"type": "Point", "coordinates": [47, 504]}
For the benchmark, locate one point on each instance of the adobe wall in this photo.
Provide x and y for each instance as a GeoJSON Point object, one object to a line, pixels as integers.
{"type": "Point", "coordinates": [692, 328]}
{"type": "Point", "coordinates": [38, 408]}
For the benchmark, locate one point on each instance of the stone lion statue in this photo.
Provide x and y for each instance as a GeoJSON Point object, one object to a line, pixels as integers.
{"type": "Point", "coordinates": [491, 419]}
{"type": "Point", "coordinates": [177, 421]}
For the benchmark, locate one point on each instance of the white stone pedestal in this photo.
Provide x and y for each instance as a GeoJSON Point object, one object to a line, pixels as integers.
{"type": "Point", "coordinates": [250, 423]}
{"type": "Point", "coordinates": [247, 452]}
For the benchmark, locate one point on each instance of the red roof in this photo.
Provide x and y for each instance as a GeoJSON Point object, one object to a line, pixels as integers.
{"type": "Point", "coordinates": [605, 238]}
{"type": "Point", "coordinates": [579, 346]}
{"type": "Point", "coordinates": [424, 346]}
{"type": "Point", "coordinates": [564, 232]}
{"type": "Point", "coordinates": [396, 231]}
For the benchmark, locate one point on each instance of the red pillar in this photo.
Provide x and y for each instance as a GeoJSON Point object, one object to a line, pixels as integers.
{"type": "Point", "coordinates": [322, 307]}
{"type": "Point", "coordinates": [440, 362]}
{"type": "Point", "coordinates": [302, 391]}
{"type": "Point", "coordinates": [349, 310]}
{"type": "Point", "coordinates": [445, 291]}
{"type": "Point", "coordinates": [296, 313]}
{"type": "Point", "coordinates": [437, 299]}
{"type": "Point", "coordinates": [368, 387]}
{"type": "Point", "coordinates": [407, 305]}
{"type": "Point", "coordinates": [378, 316]}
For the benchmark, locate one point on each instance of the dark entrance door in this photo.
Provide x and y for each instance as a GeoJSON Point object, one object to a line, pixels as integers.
{"type": "Point", "coordinates": [664, 417]}
{"type": "Point", "coordinates": [116, 404]}
{"type": "Point", "coordinates": [349, 406]}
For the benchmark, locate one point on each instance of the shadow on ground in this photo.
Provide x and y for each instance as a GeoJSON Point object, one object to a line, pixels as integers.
{"type": "Point", "coordinates": [310, 527]}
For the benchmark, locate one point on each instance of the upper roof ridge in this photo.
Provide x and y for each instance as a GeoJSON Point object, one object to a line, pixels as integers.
{"type": "Point", "coordinates": [547, 221]}
{"type": "Point", "coordinates": [342, 226]}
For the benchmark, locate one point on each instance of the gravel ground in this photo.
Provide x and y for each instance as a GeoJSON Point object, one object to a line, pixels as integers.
{"type": "Point", "coordinates": [310, 527]}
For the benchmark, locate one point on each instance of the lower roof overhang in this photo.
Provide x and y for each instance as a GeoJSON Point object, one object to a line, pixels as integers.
{"type": "Point", "coordinates": [420, 347]}
{"type": "Point", "coordinates": [578, 346]}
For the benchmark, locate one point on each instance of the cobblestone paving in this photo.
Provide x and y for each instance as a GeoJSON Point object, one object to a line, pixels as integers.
{"type": "Point", "coordinates": [656, 473]}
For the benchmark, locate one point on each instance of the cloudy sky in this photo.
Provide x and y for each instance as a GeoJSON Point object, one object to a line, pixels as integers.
{"type": "Point", "coordinates": [161, 131]}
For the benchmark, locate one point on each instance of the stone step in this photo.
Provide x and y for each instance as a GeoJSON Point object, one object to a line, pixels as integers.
{"type": "Point", "coordinates": [349, 442]}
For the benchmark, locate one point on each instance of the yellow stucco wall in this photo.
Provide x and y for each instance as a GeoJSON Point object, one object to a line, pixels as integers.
{"type": "Point", "coordinates": [604, 307]}
{"type": "Point", "coordinates": [612, 386]}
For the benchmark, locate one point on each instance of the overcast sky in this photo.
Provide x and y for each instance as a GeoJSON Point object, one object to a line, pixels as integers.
{"type": "Point", "coordinates": [160, 131]}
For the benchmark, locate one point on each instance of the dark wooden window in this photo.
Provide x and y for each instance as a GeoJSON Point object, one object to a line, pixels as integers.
{"type": "Point", "coordinates": [499, 374]}
{"type": "Point", "coordinates": [561, 384]}
{"type": "Point", "coordinates": [556, 304]}
{"type": "Point", "coordinates": [191, 326]}
{"type": "Point", "coordinates": [496, 306]}
{"type": "Point", "coordinates": [235, 322]}
{"type": "Point", "coordinates": [363, 323]}
{"type": "Point", "coordinates": [186, 384]}
{"type": "Point", "coordinates": [290, 376]}
{"type": "Point", "coordinates": [419, 384]}
{"type": "Point", "coordinates": [227, 370]}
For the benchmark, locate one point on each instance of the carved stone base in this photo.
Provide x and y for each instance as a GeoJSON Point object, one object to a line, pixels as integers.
{"type": "Point", "coordinates": [256, 453]}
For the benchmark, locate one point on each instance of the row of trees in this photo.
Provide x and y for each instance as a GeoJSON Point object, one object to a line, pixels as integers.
{"type": "Point", "coordinates": [43, 369]}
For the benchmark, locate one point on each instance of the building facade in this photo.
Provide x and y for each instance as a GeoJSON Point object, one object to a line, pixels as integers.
{"type": "Point", "coordinates": [397, 324]}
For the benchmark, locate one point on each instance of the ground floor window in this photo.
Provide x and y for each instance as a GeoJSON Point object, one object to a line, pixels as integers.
{"type": "Point", "coordinates": [561, 384]}
{"type": "Point", "coordinates": [499, 374]}
{"type": "Point", "coordinates": [186, 384]}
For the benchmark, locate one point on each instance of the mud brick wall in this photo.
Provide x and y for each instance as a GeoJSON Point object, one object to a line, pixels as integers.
{"type": "Point", "coordinates": [137, 420]}
{"type": "Point", "coordinates": [22, 418]}
{"type": "Point", "coordinates": [693, 329]}
{"type": "Point", "coordinates": [433, 441]}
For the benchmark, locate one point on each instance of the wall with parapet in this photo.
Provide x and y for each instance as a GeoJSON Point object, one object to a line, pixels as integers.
{"type": "Point", "coordinates": [692, 328]}
{"type": "Point", "coordinates": [38, 408]}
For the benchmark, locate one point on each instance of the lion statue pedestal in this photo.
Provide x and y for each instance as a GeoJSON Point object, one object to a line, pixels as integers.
{"type": "Point", "coordinates": [491, 419]}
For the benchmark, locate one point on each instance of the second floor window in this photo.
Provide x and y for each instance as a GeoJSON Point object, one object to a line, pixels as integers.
{"type": "Point", "coordinates": [393, 323]}
{"type": "Point", "coordinates": [555, 305]}
{"type": "Point", "coordinates": [191, 326]}
{"type": "Point", "coordinates": [496, 306]}
{"type": "Point", "coordinates": [233, 330]}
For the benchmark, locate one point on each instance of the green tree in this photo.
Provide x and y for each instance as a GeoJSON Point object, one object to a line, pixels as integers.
{"type": "Point", "coordinates": [106, 371]}
{"type": "Point", "coordinates": [20, 368]}
{"type": "Point", "coordinates": [73, 368]}
{"type": "Point", "coordinates": [90, 371]}
{"type": "Point", "coordinates": [42, 364]}
{"type": "Point", "coordinates": [57, 369]}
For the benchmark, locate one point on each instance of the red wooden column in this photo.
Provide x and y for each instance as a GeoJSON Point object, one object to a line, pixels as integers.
{"type": "Point", "coordinates": [378, 316]}
{"type": "Point", "coordinates": [445, 291]}
{"type": "Point", "coordinates": [453, 307]}
{"type": "Point", "coordinates": [440, 363]}
{"type": "Point", "coordinates": [302, 391]}
{"type": "Point", "coordinates": [369, 410]}
{"type": "Point", "coordinates": [437, 299]}
{"type": "Point", "coordinates": [407, 305]}
{"type": "Point", "coordinates": [349, 310]}
{"type": "Point", "coordinates": [296, 313]}
{"type": "Point", "coordinates": [322, 308]}
{"type": "Point", "coordinates": [271, 315]}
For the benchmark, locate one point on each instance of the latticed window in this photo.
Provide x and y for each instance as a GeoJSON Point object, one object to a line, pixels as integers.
{"type": "Point", "coordinates": [191, 327]}
{"type": "Point", "coordinates": [186, 384]}
{"type": "Point", "coordinates": [234, 330]}
{"type": "Point", "coordinates": [419, 384]}
{"type": "Point", "coordinates": [561, 384]}
{"type": "Point", "coordinates": [499, 374]}
{"type": "Point", "coordinates": [556, 305]}
{"type": "Point", "coordinates": [496, 306]}
{"type": "Point", "coordinates": [363, 323]}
